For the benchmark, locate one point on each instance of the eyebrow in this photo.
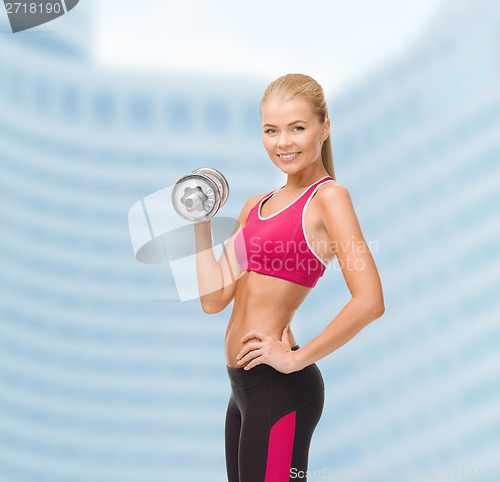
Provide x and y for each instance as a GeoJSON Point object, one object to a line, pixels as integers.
{"type": "Point", "coordinates": [291, 123]}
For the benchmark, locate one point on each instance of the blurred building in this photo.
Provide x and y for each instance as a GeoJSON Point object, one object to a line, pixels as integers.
{"type": "Point", "coordinates": [105, 377]}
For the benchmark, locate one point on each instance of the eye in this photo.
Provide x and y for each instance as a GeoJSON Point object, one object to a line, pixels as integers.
{"type": "Point", "coordinates": [268, 131]}
{"type": "Point", "coordinates": [299, 127]}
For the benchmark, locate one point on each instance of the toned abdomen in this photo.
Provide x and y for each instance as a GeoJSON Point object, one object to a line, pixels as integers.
{"type": "Point", "coordinates": [261, 303]}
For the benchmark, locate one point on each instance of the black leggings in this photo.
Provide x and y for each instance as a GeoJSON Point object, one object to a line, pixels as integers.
{"type": "Point", "coordinates": [270, 419]}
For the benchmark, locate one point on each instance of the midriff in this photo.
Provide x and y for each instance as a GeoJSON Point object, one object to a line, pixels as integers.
{"type": "Point", "coordinates": [264, 303]}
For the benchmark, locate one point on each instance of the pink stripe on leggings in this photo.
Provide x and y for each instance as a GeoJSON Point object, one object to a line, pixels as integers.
{"type": "Point", "coordinates": [279, 454]}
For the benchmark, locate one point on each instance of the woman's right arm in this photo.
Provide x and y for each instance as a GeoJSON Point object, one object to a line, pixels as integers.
{"type": "Point", "coordinates": [217, 278]}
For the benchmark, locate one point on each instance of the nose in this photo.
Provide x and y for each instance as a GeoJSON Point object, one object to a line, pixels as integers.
{"type": "Point", "coordinates": [283, 140]}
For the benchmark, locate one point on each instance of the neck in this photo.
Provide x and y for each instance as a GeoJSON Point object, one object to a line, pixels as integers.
{"type": "Point", "coordinates": [305, 177]}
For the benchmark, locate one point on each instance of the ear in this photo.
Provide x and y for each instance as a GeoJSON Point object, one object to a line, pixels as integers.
{"type": "Point", "coordinates": [326, 130]}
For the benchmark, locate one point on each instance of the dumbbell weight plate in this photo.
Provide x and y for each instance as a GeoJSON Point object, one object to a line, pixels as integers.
{"type": "Point", "coordinates": [219, 179]}
{"type": "Point", "coordinates": [195, 197]}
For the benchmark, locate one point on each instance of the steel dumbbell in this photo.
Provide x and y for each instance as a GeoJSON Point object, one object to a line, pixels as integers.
{"type": "Point", "coordinates": [198, 196]}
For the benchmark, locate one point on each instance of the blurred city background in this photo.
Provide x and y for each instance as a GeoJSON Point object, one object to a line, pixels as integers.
{"type": "Point", "coordinates": [105, 375]}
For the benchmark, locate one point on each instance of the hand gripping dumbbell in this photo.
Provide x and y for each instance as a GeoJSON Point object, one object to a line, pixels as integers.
{"type": "Point", "coordinates": [198, 196]}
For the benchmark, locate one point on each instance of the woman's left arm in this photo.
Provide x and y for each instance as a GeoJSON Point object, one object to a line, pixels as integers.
{"type": "Point", "coordinates": [359, 271]}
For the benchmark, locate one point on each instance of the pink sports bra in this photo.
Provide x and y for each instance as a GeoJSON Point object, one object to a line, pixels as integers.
{"type": "Point", "coordinates": [277, 246]}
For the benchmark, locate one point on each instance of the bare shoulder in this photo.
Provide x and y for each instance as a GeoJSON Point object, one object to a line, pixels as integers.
{"type": "Point", "coordinates": [250, 203]}
{"type": "Point", "coordinates": [332, 193]}
{"type": "Point", "coordinates": [253, 200]}
{"type": "Point", "coordinates": [334, 205]}
{"type": "Point", "coordinates": [337, 213]}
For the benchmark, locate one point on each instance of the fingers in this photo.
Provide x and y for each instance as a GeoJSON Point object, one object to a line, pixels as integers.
{"type": "Point", "coordinates": [250, 357]}
{"type": "Point", "coordinates": [247, 348]}
{"type": "Point", "coordinates": [255, 334]}
{"type": "Point", "coordinates": [254, 362]}
{"type": "Point", "coordinates": [255, 353]}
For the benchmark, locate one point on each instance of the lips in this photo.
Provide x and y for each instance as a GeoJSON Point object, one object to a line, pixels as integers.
{"type": "Point", "coordinates": [289, 156]}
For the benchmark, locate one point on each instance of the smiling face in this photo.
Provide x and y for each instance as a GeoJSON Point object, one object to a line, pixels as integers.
{"type": "Point", "coordinates": [292, 133]}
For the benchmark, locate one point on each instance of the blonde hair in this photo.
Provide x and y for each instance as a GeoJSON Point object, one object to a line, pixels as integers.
{"type": "Point", "coordinates": [289, 86]}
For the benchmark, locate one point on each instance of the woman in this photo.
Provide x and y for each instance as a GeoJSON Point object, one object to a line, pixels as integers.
{"type": "Point", "coordinates": [274, 257]}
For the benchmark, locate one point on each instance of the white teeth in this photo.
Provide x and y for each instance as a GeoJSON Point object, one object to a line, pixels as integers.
{"type": "Point", "coordinates": [289, 156]}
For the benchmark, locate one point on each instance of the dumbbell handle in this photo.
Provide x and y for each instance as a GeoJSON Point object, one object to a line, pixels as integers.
{"type": "Point", "coordinates": [192, 201]}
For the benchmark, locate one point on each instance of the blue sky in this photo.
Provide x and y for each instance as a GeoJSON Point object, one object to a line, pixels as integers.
{"type": "Point", "coordinates": [334, 41]}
